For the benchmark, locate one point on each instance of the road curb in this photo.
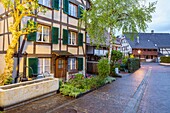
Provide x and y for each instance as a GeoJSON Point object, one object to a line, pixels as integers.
{"type": "Point", "coordinates": [135, 100]}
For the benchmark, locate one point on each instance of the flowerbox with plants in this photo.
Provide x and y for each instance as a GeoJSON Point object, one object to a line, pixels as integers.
{"type": "Point", "coordinates": [79, 84]}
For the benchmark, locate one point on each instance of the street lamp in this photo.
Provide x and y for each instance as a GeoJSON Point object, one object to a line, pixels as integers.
{"type": "Point", "coordinates": [139, 52]}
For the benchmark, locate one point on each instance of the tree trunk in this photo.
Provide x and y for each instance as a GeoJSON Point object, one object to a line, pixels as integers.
{"type": "Point", "coordinates": [110, 46]}
{"type": "Point", "coordinates": [9, 61]}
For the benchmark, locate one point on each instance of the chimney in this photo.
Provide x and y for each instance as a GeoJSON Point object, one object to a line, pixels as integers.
{"type": "Point", "coordinates": [137, 39]}
{"type": "Point", "coordinates": [152, 31]}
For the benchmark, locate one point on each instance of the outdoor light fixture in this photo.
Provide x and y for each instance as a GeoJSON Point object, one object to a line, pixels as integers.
{"type": "Point", "coordinates": [139, 52]}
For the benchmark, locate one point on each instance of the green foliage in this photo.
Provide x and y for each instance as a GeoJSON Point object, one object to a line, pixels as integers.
{"type": "Point", "coordinates": [9, 81]}
{"type": "Point", "coordinates": [116, 55]}
{"type": "Point", "coordinates": [80, 85]}
{"type": "Point", "coordinates": [165, 59]}
{"type": "Point", "coordinates": [116, 15]}
{"type": "Point", "coordinates": [103, 67]}
{"type": "Point", "coordinates": [124, 64]}
{"type": "Point", "coordinates": [133, 64]}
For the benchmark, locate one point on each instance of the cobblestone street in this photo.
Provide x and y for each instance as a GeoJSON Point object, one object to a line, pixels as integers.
{"type": "Point", "coordinates": [149, 90]}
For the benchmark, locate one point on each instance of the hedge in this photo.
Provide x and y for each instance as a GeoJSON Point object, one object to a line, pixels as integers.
{"type": "Point", "coordinates": [165, 59]}
{"type": "Point", "coordinates": [133, 64]}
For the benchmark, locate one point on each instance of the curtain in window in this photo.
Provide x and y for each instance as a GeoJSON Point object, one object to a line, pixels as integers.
{"type": "Point", "coordinates": [69, 38]}
{"type": "Point", "coordinates": [45, 34]}
{"type": "Point", "coordinates": [39, 33]}
{"type": "Point", "coordinates": [73, 38]}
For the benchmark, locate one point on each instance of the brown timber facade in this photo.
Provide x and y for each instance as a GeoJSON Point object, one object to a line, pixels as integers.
{"type": "Point", "coordinates": [58, 47]}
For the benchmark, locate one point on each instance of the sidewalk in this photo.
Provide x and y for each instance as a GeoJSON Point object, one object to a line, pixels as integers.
{"type": "Point", "coordinates": [112, 98]}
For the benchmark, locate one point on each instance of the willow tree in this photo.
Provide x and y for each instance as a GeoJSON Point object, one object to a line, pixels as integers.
{"type": "Point", "coordinates": [18, 10]}
{"type": "Point", "coordinates": [105, 17]}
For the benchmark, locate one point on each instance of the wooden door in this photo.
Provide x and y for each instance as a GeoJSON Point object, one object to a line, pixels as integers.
{"type": "Point", "coordinates": [61, 68]}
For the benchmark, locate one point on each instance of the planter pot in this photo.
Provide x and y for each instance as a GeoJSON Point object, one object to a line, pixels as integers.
{"type": "Point", "coordinates": [20, 92]}
{"type": "Point", "coordinates": [116, 70]}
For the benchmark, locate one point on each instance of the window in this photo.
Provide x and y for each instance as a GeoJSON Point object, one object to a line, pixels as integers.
{"type": "Point", "coordinates": [60, 63]}
{"type": "Point", "coordinates": [73, 9]}
{"type": "Point", "coordinates": [72, 38]}
{"type": "Point", "coordinates": [43, 33]}
{"type": "Point", "coordinates": [71, 63]}
{"type": "Point", "coordinates": [43, 65]}
{"type": "Point", "coordinates": [45, 2]}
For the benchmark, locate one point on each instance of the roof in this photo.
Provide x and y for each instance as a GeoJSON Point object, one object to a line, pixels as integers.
{"type": "Point", "coordinates": [148, 40]}
{"type": "Point", "coordinates": [106, 43]}
{"type": "Point", "coordinates": [62, 53]}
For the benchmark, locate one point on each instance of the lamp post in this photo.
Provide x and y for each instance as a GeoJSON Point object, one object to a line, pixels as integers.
{"type": "Point", "coordinates": [139, 52]}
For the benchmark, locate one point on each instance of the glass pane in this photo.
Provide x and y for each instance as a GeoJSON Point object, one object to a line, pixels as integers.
{"type": "Point", "coordinates": [69, 38]}
{"type": "Point", "coordinates": [69, 63]}
{"type": "Point", "coordinates": [40, 70]}
{"type": "Point", "coordinates": [40, 1]}
{"type": "Point", "coordinates": [47, 69]}
{"type": "Point", "coordinates": [47, 3]}
{"type": "Point", "coordinates": [47, 62]}
{"type": "Point", "coordinates": [40, 62]}
{"type": "Point", "coordinates": [45, 34]}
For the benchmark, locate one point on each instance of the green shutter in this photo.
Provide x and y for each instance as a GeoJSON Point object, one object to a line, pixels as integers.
{"type": "Point", "coordinates": [80, 11]}
{"type": "Point", "coordinates": [65, 6]}
{"type": "Point", "coordinates": [55, 34]}
{"type": "Point", "coordinates": [65, 37]}
{"type": "Point", "coordinates": [32, 36]}
{"type": "Point", "coordinates": [80, 39]}
{"type": "Point", "coordinates": [55, 4]}
{"type": "Point", "coordinates": [80, 64]}
{"type": "Point", "coordinates": [33, 63]}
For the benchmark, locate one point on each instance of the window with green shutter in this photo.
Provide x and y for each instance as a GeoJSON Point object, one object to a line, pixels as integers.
{"type": "Point", "coordinates": [65, 37]}
{"type": "Point", "coordinates": [80, 64]}
{"type": "Point", "coordinates": [55, 34]}
{"type": "Point", "coordinates": [55, 4]}
{"type": "Point", "coordinates": [80, 39]}
{"type": "Point", "coordinates": [32, 36]}
{"type": "Point", "coordinates": [33, 66]}
{"type": "Point", "coordinates": [65, 6]}
{"type": "Point", "coordinates": [80, 11]}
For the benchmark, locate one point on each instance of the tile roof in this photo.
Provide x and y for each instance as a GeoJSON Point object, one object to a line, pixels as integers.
{"type": "Point", "coordinates": [148, 40]}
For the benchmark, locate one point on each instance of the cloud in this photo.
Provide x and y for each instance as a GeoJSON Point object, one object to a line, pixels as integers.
{"type": "Point", "coordinates": [161, 18]}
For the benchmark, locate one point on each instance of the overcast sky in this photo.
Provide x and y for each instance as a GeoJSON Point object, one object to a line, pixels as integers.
{"type": "Point", "coordinates": [161, 18]}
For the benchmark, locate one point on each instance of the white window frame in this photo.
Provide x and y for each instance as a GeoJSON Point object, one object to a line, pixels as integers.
{"type": "Point", "coordinates": [71, 63]}
{"type": "Point", "coordinates": [73, 9]}
{"type": "Point", "coordinates": [72, 40]}
{"type": "Point", "coordinates": [46, 3]}
{"type": "Point", "coordinates": [43, 67]}
{"type": "Point", "coordinates": [41, 32]}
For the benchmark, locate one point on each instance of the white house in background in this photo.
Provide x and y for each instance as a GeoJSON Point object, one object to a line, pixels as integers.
{"type": "Point", "coordinates": [125, 46]}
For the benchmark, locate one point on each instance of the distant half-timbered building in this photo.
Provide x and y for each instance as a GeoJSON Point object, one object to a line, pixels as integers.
{"type": "Point", "coordinates": [58, 47]}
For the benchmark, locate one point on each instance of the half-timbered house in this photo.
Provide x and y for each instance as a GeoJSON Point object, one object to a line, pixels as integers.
{"type": "Point", "coordinates": [58, 47]}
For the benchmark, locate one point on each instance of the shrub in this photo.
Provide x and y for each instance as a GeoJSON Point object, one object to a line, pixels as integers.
{"type": "Point", "coordinates": [103, 67]}
{"type": "Point", "coordinates": [133, 64]}
{"type": "Point", "coordinates": [165, 59]}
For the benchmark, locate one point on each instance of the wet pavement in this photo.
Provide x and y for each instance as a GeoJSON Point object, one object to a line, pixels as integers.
{"type": "Point", "coordinates": [156, 98]}
{"type": "Point", "coordinates": [115, 97]}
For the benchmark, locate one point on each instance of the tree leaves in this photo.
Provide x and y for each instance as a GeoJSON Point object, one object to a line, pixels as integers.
{"type": "Point", "coordinates": [119, 15]}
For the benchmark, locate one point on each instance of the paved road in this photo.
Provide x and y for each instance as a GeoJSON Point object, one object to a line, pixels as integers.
{"type": "Point", "coordinates": [145, 91]}
{"type": "Point", "coordinates": [156, 97]}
